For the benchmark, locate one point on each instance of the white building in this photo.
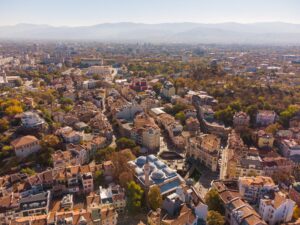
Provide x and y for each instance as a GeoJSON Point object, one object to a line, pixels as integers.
{"type": "Point", "coordinates": [276, 208]}
{"type": "Point", "coordinates": [251, 188]}
{"type": "Point", "coordinates": [128, 111]}
{"type": "Point", "coordinates": [25, 146]}
{"type": "Point", "coordinates": [69, 135]}
{"type": "Point", "coordinates": [31, 120]}
{"type": "Point", "coordinates": [113, 196]}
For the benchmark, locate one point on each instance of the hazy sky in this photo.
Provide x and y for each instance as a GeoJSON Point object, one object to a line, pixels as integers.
{"type": "Point", "coordinates": [89, 12]}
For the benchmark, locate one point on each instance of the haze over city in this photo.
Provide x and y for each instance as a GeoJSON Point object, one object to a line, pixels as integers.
{"type": "Point", "coordinates": [157, 112]}
{"type": "Point", "coordinates": [86, 13]}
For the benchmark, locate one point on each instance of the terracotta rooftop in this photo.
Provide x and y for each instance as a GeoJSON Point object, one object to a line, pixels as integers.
{"type": "Point", "coordinates": [28, 139]}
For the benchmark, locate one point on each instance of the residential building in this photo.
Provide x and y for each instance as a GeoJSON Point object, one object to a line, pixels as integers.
{"type": "Point", "coordinates": [289, 147]}
{"type": "Point", "coordinates": [145, 132]}
{"type": "Point", "coordinates": [109, 216]}
{"type": "Point", "coordinates": [80, 153]}
{"type": "Point", "coordinates": [69, 135]}
{"type": "Point", "coordinates": [63, 159]}
{"type": "Point", "coordinates": [205, 148]}
{"type": "Point", "coordinates": [263, 139]}
{"type": "Point", "coordinates": [252, 188]}
{"type": "Point", "coordinates": [241, 120]}
{"type": "Point", "coordinates": [237, 211]}
{"type": "Point", "coordinates": [67, 202]}
{"type": "Point", "coordinates": [184, 195]}
{"type": "Point", "coordinates": [265, 117]}
{"type": "Point", "coordinates": [31, 120]}
{"type": "Point", "coordinates": [37, 204]}
{"type": "Point", "coordinates": [139, 84]}
{"type": "Point", "coordinates": [273, 165]}
{"type": "Point", "coordinates": [276, 208]}
{"type": "Point", "coordinates": [186, 216]}
{"type": "Point", "coordinates": [80, 217]}
{"type": "Point", "coordinates": [121, 109]}
{"type": "Point", "coordinates": [113, 196]}
{"type": "Point", "coordinates": [294, 192]}
{"type": "Point", "coordinates": [192, 124]}
{"type": "Point", "coordinates": [87, 182]}
{"type": "Point", "coordinates": [231, 155]}
{"type": "Point", "coordinates": [25, 146]}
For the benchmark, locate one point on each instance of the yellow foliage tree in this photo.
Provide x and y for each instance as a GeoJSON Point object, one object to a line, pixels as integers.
{"type": "Point", "coordinates": [13, 110]}
{"type": "Point", "coordinates": [296, 213]}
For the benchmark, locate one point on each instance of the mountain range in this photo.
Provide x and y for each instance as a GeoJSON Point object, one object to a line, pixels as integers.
{"type": "Point", "coordinates": [221, 33]}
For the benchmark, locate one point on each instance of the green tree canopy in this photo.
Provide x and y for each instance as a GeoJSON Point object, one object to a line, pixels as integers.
{"type": "Point", "coordinates": [135, 196]}
{"type": "Point", "coordinates": [99, 178]}
{"type": "Point", "coordinates": [103, 154]}
{"type": "Point", "coordinates": [123, 143]}
{"type": "Point", "coordinates": [213, 201]}
{"type": "Point", "coordinates": [214, 218]}
{"type": "Point", "coordinates": [154, 197]}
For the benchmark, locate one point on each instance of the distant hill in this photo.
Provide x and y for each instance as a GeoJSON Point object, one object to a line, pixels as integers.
{"type": "Point", "coordinates": [222, 33]}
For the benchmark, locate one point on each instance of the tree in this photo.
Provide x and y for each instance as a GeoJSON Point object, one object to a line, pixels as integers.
{"type": "Point", "coordinates": [7, 148]}
{"type": "Point", "coordinates": [287, 114]}
{"type": "Point", "coordinates": [103, 154]}
{"type": "Point", "coordinates": [120, 160]}
{"type": "Point", "coordinates": [99, 178]}
{"type": "Point", "coordinates": [44, 158]}
{"type": "Point", "coordinates": [156, 87]}
{"type": "Point", "coordinates": [124, 142]}
{"type": "Point", "coordinates": [214, 218]}
{"type": "Point", "coordinates": [181, 117]}
{"type": "Point", "coordinates": [28, 171]}
{"type": "Point", "coordinates": [13, 110]}
{"type": "Point", "coordinates": [296, 213]}
{"type": "Point", "coordinates": [225, 115]}
{"type": "Point", "coordinates": [4, 125]}
{"type": "Point", "coordinates": [135, 196]}
{"type": "Point", "coordinates": [273, 128]}
{"type": "Point", "coordinates": [50, 140]}
{"type": "Point", "coordinates": [154, 197]}
{"type": "Point", "coordinates": [213, 201]}
{"type": "Point", "coordinates": [124, 178]}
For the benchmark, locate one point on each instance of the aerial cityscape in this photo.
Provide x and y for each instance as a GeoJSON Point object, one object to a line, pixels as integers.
{"type": "Point", "coordinates": [149, 112]}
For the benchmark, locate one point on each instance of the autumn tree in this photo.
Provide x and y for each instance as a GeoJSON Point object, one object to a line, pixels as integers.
{"type": "Point", "coordinates": [296, 213]}
{"type": "Point", "coordinates": [154, 197]}
{"type": "Point", "coordinates": [273, 128]}
{"type": "Point", "coordinates": [120, 160]}
{"type": "Point", "coordinates": [4, 125]}
{"type": "Point", "coordinates": [135, 196]}
{"type": "Point", "coordinates": [28, 171]}
{"type": "Point", "coordinates": [124, 178]}
{"type": "Point", "coordinates": [214, 218]}
{"type": "Point", "coordinates": [213, 201]}
{"type": "Point", "coordinates": [50, 140]}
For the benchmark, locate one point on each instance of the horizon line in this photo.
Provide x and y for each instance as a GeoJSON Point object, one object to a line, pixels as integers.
{"type": "Point", "coordinates": [145, 23]}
